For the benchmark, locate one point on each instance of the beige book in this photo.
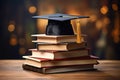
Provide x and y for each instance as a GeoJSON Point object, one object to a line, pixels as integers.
{"type": "Point", "coordinates": [54, 38]}
{"type": "Point", "coordinates": [59, 54]}
{"type": "Point", "coordinates": [61, 46]}
{"type": "Point", "coordinates": [40, 63]}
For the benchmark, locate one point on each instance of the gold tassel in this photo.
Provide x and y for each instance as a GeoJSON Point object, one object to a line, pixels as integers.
{"type": "Point", "coordinates": [79, 39]}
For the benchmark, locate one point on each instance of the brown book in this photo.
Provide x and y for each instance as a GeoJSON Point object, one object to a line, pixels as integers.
{"type": "Point", "coordinates": [59, 54]}
{"type": "Point", "coordinates": [59, 69]}
{"type": "Point", "coordinates": [61, 46]}
{"type": "Point", "coordinates": [54, 38]}
{"type": "Point", "coordinates": [42, 62]}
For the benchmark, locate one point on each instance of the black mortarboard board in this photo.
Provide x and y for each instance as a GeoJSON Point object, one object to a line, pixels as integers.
{"type": "Point", "coordinates": [59, 24]}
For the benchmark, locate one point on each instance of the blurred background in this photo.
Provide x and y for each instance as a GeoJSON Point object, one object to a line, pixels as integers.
{"type": "Point", "coordinates": [17, 25]}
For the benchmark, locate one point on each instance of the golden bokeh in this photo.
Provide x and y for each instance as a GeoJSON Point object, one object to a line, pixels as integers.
{"type": "Point", "coordinates": [104, 9]}
{"type": "Point", "coordinates": [106, 20]}
{"type": "Point", "coordinates": [115, 35]}
{"type": "Point", "coordinates": [13, 41]}
{"type": "Point", "coordinates": [99, 24]}
{"type": "Point", "coordinates": [42, 23]}
{"type": "Point", "coordinates": [11, 27]}
{"type": "Point", "coordinates": [32, 9]}
{"type": "Point", "coordinates": [115, 7]}
{"type": "Point", "coordinates": [22, 50]}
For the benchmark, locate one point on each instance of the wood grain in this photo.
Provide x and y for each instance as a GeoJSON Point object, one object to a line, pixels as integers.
{"type": "Point", "coordinates": [107, 70]}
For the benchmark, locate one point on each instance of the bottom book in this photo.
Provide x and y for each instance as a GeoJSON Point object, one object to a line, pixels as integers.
{"type": "Point", "coordinates": [59, 69]}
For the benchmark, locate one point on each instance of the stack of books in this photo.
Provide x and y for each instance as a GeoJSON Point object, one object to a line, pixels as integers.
{"type": "Point", "coordinates": [59, 53]}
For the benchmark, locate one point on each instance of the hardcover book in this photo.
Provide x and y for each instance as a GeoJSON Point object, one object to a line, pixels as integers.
{"type": "Point", "coordinates": [59, 54]}
{"type": "Point", "coordinates": [61, 46]}
{"type": "Point", "coordinates": [42, 62]}
{"type": "Point", "coordinates": [54, 39]}
{"type": "Point", "coordinates": [59, 69]}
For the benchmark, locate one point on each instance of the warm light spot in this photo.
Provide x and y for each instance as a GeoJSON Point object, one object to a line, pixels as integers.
{"type": "Point", "coordinates": [73, 12]}
{"type": "Point", "coordinates": [114, 7]}
{"type": "Point", "coordinates": [22, 50]}
{"type": "Point", "coordinates": [99, 24]}
{"type": "Point", "coordinates": [11, 27]}
{"type": "Point", "coordinates": [115, 35]}
{"type": "Point", "coordinates": [104, 10]}
{"type": "Point", "coordinates": [21, 41]}
{"type": "Point", "coordinates": [13, 40]}
{"type": "Point", "coordinates": [41, 23]}
{"type": "Point", "coordinates": [32, 9]}
{"type": "Point", "coordinates": [106, 20]}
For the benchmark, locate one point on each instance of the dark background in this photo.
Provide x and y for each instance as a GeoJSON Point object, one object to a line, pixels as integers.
{"type": "Point", "coordinates": [102, 28]}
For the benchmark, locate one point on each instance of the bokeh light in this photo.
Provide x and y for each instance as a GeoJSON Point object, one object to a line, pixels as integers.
{"type": "Point", "coordinates": [22, 50]}
{"type": "Point", "coordinates": [41, 23]}
{"type": "Point", "coordinates": [106, 20]}
{"type": "Point", "coordinates": [13, 40]}
{"type": "Point", "coordinates": [11, 27]}
{"type": "Point", "coordinates": [104, 9]}
{"type": "Point", "coordinates": [32, 9]}
{"type": "Point", "coordinates": [115, 35]}
{"type": "Point", "coordinates": [115, 7]}
{"type": "Point", "coordinates": [99, 24]}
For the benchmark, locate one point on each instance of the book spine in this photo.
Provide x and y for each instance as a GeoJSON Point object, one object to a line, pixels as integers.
{"type": "Point", "coordinates": [31, 68]}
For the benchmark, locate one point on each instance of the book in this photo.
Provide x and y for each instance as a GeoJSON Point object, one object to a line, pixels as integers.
{"type": "Point", "coordinates": [55, 38]}
{"type": "Point", "coordinates": [42, 62]}
{"type": "Point", "coordinates": [61, 46]}
{"type": "Point", "coordinates": [59, 54]}
{"type": "Point", "coordinates": [58, 69]}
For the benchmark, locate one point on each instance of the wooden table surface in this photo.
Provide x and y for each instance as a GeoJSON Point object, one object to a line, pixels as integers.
{"type": "Point", "coordinates": [107, 70]}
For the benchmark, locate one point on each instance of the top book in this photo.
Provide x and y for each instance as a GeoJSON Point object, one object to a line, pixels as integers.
{"type": "Point", "coordinates": [55, 39]}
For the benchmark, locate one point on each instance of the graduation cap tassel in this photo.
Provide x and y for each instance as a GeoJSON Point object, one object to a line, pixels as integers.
{"type": "Point", "coordinates": [79, 39]}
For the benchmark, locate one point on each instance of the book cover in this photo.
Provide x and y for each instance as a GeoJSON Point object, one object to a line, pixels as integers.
{"type": "Point", "coordinates": [40, 62]}
{"type": "Point", "coordinates": [59, 69]}
{"type": "Point", "coordinates": [59, 54]}
{"type": "Point", "coordinates": [61, 46]}
{"type": "Point", "coordinates": [55, 38]}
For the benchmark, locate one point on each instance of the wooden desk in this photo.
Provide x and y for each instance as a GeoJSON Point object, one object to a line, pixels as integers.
{"type": "Point", "coordinates": [107, 70]}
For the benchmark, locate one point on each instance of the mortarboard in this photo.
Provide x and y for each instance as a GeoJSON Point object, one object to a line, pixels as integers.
{"type": "Point", "coordinates": [59, 24]}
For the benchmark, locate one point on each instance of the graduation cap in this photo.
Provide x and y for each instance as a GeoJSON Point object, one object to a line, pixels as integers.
{"type": "Point", "coordinates": [59, 24]}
